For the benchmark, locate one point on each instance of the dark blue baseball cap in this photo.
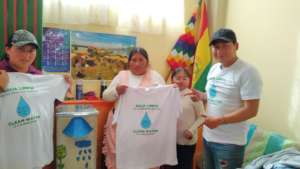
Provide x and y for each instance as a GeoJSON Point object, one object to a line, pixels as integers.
{"type": "Point", "coordinates": [223, 35]}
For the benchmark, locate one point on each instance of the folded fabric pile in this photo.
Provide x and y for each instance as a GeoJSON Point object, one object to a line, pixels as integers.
{"type": "Point", "coordinates": [285, 159]}
{"type": "Point", "coordinates": [262, 142]}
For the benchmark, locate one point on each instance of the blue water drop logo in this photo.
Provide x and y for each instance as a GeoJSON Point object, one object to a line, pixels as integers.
{"type": "Point", "coordinates": [77, 128]}
{"type": "Point", "coordinates": [213, 91]}
{"type": "Point", "coordinates": [146, 122]}
{"type": "Point", "coordinates": [23, 109]}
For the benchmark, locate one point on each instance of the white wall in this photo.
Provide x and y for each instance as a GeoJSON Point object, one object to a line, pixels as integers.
{"type": "Point", "coordinates": [269, 36]}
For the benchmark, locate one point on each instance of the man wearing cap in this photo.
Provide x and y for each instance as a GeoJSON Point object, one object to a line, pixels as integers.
{"type": "Point", "coordinates": [20, 53]}
{"type": "Point", "coordinates": [232, 92]}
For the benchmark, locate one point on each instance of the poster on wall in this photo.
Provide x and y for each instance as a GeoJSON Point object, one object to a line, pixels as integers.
{"type": "Point", "coordinates": [99, 56]}
{"type": "Point", "coordinates": [56, 50]}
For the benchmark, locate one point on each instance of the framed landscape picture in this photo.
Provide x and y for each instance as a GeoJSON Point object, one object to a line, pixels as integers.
{"type": "Point", "coordinates": [99, 56]}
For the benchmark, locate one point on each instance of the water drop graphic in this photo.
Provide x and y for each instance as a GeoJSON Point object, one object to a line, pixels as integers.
{"type": "Point", "coordinates": [213, 91]}
{"type": "Point", "coordinates": [146, 122]}
{"type": "Point", "coordinates": [23, 109]}
{"type": "Point", "coordinates": [77, 128]}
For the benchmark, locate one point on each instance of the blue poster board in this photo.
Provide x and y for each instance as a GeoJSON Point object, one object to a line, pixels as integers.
{"type": "Point", "coordinates": [56, 50]}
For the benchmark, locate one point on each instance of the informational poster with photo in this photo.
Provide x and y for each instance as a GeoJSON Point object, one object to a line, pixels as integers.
{"type": "Point", "coordinates": [99, 56]}
{"type": "Point", "coordinates": [56, 50]}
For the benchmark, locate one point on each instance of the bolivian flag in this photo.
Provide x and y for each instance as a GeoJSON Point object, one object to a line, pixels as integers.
{"type": "Point", "coordinates": [202, 60]}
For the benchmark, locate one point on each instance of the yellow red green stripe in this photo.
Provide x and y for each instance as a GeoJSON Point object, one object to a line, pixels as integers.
{"type": "Point", "coordinates": [202, 60]}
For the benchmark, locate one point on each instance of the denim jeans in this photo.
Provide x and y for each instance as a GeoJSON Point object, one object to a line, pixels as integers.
{"type": "Point", "coordinates": [222, 156]}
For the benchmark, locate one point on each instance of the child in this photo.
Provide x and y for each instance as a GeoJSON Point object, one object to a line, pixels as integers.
{"type": "Point", "coordinates": [188, 122]}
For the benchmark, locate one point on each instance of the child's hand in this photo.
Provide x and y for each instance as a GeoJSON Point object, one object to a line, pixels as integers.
{"type": "Point", "coordinates": [197, 95]}
{"type": "Point", "coordinates": [188, 135]}
{"type": "Point", "coordinates": [121, 89]}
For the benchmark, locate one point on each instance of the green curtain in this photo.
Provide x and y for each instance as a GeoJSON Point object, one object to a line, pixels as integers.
{"type": "Point", "coordinates": [21, 14]}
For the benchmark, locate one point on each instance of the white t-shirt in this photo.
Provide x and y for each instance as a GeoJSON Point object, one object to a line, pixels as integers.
{"type": "Point", "coordinates": [226, 88]}
{"type": "Point", "coordinates": [146, 127]}
{"type": "Point", "coordinates": [26, 120]}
